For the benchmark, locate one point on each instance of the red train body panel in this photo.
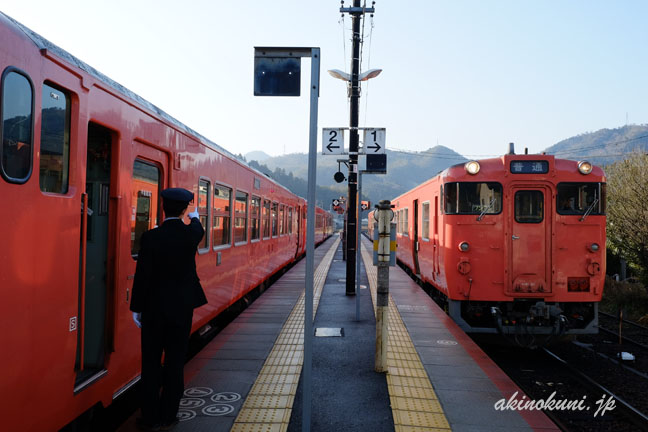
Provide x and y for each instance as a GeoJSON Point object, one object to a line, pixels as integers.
{"type": "Point", "coordinates": [517, 248]}
{"type": "Point", "coordinates": [83, 162]}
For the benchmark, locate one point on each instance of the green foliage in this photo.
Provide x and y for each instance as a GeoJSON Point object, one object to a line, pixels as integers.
{"type": "Point", "coordinates": [627, 208]}
{"type": "Point", "coordinates": [631, 297]}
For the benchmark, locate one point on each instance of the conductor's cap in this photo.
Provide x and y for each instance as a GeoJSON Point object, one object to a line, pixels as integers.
{"type": "Point", "coordinates": [178, 194]}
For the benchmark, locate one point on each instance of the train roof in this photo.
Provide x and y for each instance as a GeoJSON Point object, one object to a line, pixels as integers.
{"type": "Point", "coordinates": [502, 166]}
{"type": "Point", "coordinates": [59, 52]}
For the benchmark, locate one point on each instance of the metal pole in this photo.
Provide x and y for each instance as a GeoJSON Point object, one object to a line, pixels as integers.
{"type": "Point", "coordinates": [359, 244]}
{"type": "Point", "coordinates": [310, 241]}
{"type": "Point", "coordinates": [353, 152]}
{"type": "Point", "coordinates": [382, 289]}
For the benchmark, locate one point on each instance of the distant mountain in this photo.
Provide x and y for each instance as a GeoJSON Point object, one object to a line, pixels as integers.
{"type": "Point", "coordinates": [404, 171]}
{"type": "Point", "coordinates": [258, 156]}
{"type": "Point", "coordinates": [603, 146]}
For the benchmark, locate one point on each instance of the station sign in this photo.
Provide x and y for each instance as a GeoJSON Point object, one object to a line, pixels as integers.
{"type": "Point", "coordinates": [374, 140]}
{"type": "Point", "coordinates": [332, 141]}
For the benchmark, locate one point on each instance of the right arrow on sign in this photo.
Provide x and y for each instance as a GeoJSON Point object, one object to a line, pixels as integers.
{"type": "Point", "coordinates": [374, 140]}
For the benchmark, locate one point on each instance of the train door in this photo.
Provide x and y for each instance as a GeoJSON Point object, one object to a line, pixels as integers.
{"type": "Point", "coordinates": [298, 228]}
{"type": "Point", "coordinates": [530, 241]}
{"type": "Point", "coordinates": [435, 240]}
{"type": "Point", "coordinates": [97, 257]}
{"type": "Point", "coordinates": [415, 239]}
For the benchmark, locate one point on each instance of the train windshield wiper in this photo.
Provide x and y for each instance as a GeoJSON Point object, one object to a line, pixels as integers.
{"type": "Point", "coordinates": [481, 215]}
{"type": "Point", "coordinates": [589, 209]}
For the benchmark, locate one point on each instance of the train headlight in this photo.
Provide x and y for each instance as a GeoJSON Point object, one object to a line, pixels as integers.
{"type": "Point", "coordinates": [464, 247]}
{"type": "Point", "coordinates": [472, 167]}
{"type": "Point", "coordinates": [594, 247]}
{"type": "Point", "coordinates": [584, 167]}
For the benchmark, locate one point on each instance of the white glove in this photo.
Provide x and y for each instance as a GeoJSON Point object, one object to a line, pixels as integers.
{"type": "Point", "coordinates": [194, 214]}
{"type": "Point", "coordinates": [137, 317]}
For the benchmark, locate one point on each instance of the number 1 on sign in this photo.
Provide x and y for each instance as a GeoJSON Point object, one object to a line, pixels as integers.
{"type": "Point", "coordinates": [374, 141]}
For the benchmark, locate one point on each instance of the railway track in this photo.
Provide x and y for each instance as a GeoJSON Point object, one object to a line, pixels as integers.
{"type": "Point", "coordinates": [546, 375]}
{"type": "Point", "coordinates": [631, 332]}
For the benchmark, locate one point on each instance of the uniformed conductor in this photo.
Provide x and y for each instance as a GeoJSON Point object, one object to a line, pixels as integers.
{"type": "Point", "coordinates": [166, 290]}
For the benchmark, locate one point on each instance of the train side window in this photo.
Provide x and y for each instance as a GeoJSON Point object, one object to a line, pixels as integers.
{"type": "Point", "coordinates": [576, 198]}
{"type": "Point", "coordinates": [146, 186]}
{"type": "Point", "coordinates": [405, 221]}
{"type": "Point", "coordinates": [17, 130]}
{"type": "Point", "coordinates": [266, 219]}
{"type": "Point", "coordinates": [425, 220]}
{"type": "Point", "coordinates": [255, 218]}
{"type": "Point", "coordinates": [275, 219]}
{"type": "Point", "coordinates": [282, 219]}
{"type": "Point", "coordinates": [290, 220]}
{"type": "Point", "coordinates": [222, 215]}
{"type": "Point", "coordinates": [55, 141]}
{"type": "Point", "coordinates": [529, 206]}
{"type": "Point", "coordinates": [240, 217]}
{"type": "Point", "coordinates": [204, 187]}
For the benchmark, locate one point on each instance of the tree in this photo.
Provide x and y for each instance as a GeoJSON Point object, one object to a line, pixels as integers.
{"type": "Point", "coordinates": [627, 223]}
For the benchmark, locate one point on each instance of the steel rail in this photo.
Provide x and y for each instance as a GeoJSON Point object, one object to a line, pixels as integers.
{"type": "Point", "coordinates": [637, 417]}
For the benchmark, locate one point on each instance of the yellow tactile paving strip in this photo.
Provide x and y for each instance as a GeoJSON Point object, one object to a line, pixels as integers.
{"type": "Point", "coordinates": [268, 406]}
{"type": "Point", "coordinates": [415, 406]}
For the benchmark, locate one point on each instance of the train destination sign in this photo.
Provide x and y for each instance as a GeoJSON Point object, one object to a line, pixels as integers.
{"type": "Point", "coordinates": [529, 167]}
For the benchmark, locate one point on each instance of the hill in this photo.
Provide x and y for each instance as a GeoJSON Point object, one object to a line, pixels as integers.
{"type": "Point", "coordinates": [603, 146]}
{"type": "Point", "coordinates": [405, 170]}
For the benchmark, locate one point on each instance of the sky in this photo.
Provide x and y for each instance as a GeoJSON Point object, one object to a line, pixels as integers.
{"type": "Point", "coordinates": [469, 75]}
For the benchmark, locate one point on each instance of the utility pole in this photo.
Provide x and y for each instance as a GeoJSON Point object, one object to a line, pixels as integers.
{"type": "Point", "coordinates": [354, 139]}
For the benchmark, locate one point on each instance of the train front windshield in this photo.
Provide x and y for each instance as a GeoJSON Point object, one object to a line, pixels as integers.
{"type": "Point", "coordinates": [473, 198]}
{"type": "Point", "coordinates": [581, 198]}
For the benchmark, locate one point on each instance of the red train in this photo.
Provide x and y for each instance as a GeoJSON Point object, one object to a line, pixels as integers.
{"type": "Point", "coordinates": [514, 245]}
{"type": "Point", "coordinates": [82, 163]}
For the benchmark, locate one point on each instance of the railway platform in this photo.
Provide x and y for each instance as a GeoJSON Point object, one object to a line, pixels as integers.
{"type": "Point", "coordinates": [248, 378]}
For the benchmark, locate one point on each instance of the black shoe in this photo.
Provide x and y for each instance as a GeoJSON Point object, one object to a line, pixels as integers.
{"type": "Point", "coordinates": [166, 426]}
{"type": "Point", "coordinates": [144, 425]}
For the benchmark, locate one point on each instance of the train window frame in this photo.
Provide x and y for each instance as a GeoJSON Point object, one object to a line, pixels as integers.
{"type": "Point", "coordinates": [205, 245]}
{"type": "Point", "coordinates": [266, 216]}
{"type": "Point", "coordinates": [290, 220]}
{"type": "Point", "coordinates": [246, 218]}
{"type": "Point", "coordinates": [274, 216]}
{"type": "Point", "coordinates": [602, 196]}
{"type": "Point", "coordinates": [227, 245]}
{"type": "Point", "coordinates": [445, 191]}
{"type": "Point", "coordinates": [530, 220]}
{"type": "Point", "coordinates": [258, 218]}
{"type": "Point", "coordinates": [64, 187]}
{"type": "Point", "coordinates": [282, 220]}
{"type": "Point", "coordinates": [157, 213]}
{"type": "Point", "coordinates": [10, 179]}
{"type": "Point", "coordinates": [425, 223]}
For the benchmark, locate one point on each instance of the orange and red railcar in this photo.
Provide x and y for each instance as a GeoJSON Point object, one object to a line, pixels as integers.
{"type": "Point", "coordinates": [514, 245]}
{"type": "Point", "coordinates": [82, 164]}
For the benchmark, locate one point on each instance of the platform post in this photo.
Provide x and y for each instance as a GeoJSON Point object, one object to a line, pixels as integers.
{"type": "Point", "coordinates": [384, 218]}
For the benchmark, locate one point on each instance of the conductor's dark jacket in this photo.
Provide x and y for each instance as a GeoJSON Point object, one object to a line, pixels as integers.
{"type": "Point", "coordinates": [166, 281]}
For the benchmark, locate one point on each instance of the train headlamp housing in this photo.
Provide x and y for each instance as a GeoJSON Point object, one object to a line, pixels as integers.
{"type": "Point", "coordinates": [584, 167]}
{"type": "Point", "coordinates": [472, 167]}
{"type": "Point", "coordinates": [594, 247]}
{"type": "Point", "coordinates": [464, 246]}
